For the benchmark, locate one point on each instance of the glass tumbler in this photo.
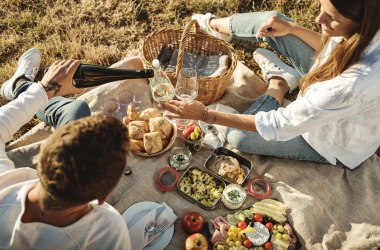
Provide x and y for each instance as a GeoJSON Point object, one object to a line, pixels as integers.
{"type": "Point", "coordinates": [111, 107]}
{"type": "Point", "coordinates": [180, 158]}
{"type": "Point", "coordinates": [125, 98]}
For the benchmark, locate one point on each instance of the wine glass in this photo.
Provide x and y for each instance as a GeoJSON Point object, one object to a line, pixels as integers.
{"type": "Point", "coordinates": [161, 88]}
{"type": "Point", "coordinates": [186, 90]}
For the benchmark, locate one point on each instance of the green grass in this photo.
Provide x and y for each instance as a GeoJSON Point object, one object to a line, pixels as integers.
{"type": "Point", "coordinates": [102, 32]}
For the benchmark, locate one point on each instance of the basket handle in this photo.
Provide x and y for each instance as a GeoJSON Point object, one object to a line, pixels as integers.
{"type": "Point", "coordinates": [181, 49]}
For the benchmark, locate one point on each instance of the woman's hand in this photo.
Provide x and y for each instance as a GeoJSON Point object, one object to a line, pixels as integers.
{"type": "Point", "coordinates": [194, 110]}
{"type": "Point", "coordinates": [275, 26]}
{"type": "Point", "coordinates": [58, 79]}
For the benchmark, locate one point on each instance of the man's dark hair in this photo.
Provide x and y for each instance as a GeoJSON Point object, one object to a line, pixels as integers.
{"type": "Point", "coordinates": [82, 161]}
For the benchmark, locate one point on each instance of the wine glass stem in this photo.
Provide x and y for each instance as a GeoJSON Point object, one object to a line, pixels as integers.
{"type": "Point", "coordinates": [182, 124]}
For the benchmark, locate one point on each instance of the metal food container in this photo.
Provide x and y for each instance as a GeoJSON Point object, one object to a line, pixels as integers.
{"type": "Point", "coordinates": [201, 186]}
{"type": "Point", "coordinates": [245, 164]}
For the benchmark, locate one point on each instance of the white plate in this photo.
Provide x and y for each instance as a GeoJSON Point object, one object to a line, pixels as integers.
{"type": "Point", "coordinates": [137, 211]}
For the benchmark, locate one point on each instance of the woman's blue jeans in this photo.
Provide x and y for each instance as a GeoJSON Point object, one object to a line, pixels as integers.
{"type": "Point", "coordinates": [59, 110]}
{"type": "Point", "coordinates": [244, 27]}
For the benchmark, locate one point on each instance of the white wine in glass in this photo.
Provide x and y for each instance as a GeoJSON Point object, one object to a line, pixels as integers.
{"type": "Point", "coordinates": [186, 90]}
{"type": "Point", "coordinates": [161, 87]}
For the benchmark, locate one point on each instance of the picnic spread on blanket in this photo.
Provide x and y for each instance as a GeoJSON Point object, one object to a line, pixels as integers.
{"type": "Point", "coordinates": [325, 206]}
{"type": "Point", "coordinates": [188, 188]}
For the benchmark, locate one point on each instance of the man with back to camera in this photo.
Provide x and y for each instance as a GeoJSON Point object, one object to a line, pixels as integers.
{"type": "Point", "coordinates": [82, 161]}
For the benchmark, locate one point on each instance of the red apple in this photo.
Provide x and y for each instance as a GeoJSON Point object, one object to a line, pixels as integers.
{"type": "Point", "coordinates": [192, 222]}
{"type": "Point", "coordinates": [196, 242]}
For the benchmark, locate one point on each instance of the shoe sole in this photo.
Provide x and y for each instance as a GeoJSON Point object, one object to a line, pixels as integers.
{"type": "Point", "coordinates": [26, 53]}
{"type": "Point", "coordinates": [270, 56]}
{"type": "Point", "coordinates": [3, 86]}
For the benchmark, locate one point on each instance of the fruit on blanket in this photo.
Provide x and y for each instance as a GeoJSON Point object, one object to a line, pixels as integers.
{"type": "Point", "coordinates": [258, 218]}
{"type": "Point", "coordinates": [242, 224]}
{"type": "Point", "coordinates": [268, 246]}
{"type": "Point", "coordinates": [193, 133]}
{"type": "Point", "coordinates": [247, 243]}
{"type": "Point", "coordinates": [269, 225]}
{"type": "Point", "coordinates": [188, 130]}
{"type": "Point", "coordinates": [192, 222]}
{"type": "Point", "coordinates": [283, 236]}
{"type": "Point", "coordinates": [196, 242]}
{"type": "Point", "coordinates": [271, 208]}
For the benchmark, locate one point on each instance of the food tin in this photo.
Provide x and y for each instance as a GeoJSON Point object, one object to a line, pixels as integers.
{"type": "Point", "coordinates": [233, 196]}
{"type": "Point", "coordinates": [245, 164]}
{"type": "Point", "coordinates": [201, 186]}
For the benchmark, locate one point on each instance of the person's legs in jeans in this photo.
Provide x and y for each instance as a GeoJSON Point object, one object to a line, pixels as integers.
{"type": "Point", "coordinates": [251, 142]}
{"type": "Point", "coordinates": [59, 110]}
{"type": "Point", "coordinates": [244, 26]}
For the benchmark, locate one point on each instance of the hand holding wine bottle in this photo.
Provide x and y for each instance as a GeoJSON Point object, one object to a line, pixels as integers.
{"type": "Point", "coordinates": [91, 75]}
{"type": "Point", "coordinates": [87, 75]}
{"type": "Point", "coordinates": [57, 81]}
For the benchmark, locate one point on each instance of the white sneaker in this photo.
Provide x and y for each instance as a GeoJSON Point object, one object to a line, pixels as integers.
{"type": "Point", "coordinates": [204, 24]}
{"type": "Point", "coordinates": [28, 66]}
{"type": "Point", "coordinates": [272, 66]}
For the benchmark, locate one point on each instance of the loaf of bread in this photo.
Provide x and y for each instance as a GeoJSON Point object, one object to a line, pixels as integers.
{"type": "Point", "coordinates": [132, 113]}
{"type": "Point", "coordinates": [152, 142]}
{"type": "Point", "coordinates": [159, 124]}
{"type": "Point", "coordinates": [136, 145]}
{"type": "Point", "coordinates": [150, 113]}
{"type": "Point", "coordinates": [137, 129]}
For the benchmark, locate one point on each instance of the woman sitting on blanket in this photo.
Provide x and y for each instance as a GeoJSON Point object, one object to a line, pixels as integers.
{"type": "Point", "coordinates": [336, 115]}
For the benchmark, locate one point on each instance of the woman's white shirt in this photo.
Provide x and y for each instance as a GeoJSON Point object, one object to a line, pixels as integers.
{"type": "Point", "coordinates": [340, 117]}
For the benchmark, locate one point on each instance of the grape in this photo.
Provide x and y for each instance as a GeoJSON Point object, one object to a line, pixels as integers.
{"type": "Point", "coordinates": [237, 243]}
{"type": "Point", "coordinates": [261, 248]}
{"type": "Point", "coordinates": [285, 236]}
{"type": "Point", "coordinates": [275, 231]}
{"type": "Point", "coordinates": [279, 236]}
{"type": "Point", "coordinates": [280, 228]}
{"type": "Point", "coordinates": [231, 243]}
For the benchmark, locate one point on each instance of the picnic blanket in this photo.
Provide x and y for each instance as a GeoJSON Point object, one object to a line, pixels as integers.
{"type": "Point", "coordinates": [330, 207]}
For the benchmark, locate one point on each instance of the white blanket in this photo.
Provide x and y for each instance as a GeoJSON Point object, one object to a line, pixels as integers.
{"type": "Point", "coordinates": [330, 207]}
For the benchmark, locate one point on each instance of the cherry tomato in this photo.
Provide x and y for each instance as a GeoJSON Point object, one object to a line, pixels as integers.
{"type": "Point", "coordinates": [269, 226]}
{"type": "Point", "coordinates": [247, 243]}
{"type": "Point", "coordinates": [242, 225]}
{"type": "Point", "coordinates": [268, 246]}
{"type": "Point", "coordinates": [258, 218]}
{"type": "Point", "coordinates": [188, 131]}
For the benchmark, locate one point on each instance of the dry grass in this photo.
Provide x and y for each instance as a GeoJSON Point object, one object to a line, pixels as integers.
{"type": "Point", "coordinates": [102, 32]}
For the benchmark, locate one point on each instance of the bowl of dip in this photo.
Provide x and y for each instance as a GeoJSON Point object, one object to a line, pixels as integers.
{"type": "Point", "coordinates": [233, 196]}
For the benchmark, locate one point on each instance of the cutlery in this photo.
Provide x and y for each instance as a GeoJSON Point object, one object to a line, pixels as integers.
{"type": "Point", "coordinates": [150, 227]}
{"type": "Point", "coordinates": [160, 227]}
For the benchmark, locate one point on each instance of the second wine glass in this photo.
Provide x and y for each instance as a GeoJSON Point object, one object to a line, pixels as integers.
{"type": "Point", "coordinates": [186, 90]}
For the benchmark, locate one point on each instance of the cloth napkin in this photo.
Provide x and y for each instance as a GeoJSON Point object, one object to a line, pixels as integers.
{"type": "Point", "coordinates": [157, 214]}
{"type": "Point", "coordinates": [205, 66]}
{"type": "Point", "coordinates": [216, 141]}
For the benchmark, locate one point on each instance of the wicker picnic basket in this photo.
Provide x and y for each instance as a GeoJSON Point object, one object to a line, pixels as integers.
{"type": "Point", "coordinates": [210, 89]}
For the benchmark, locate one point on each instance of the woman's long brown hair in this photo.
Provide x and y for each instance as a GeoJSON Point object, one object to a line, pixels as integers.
{"type": "Point", "coordinates": [350, 51]}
